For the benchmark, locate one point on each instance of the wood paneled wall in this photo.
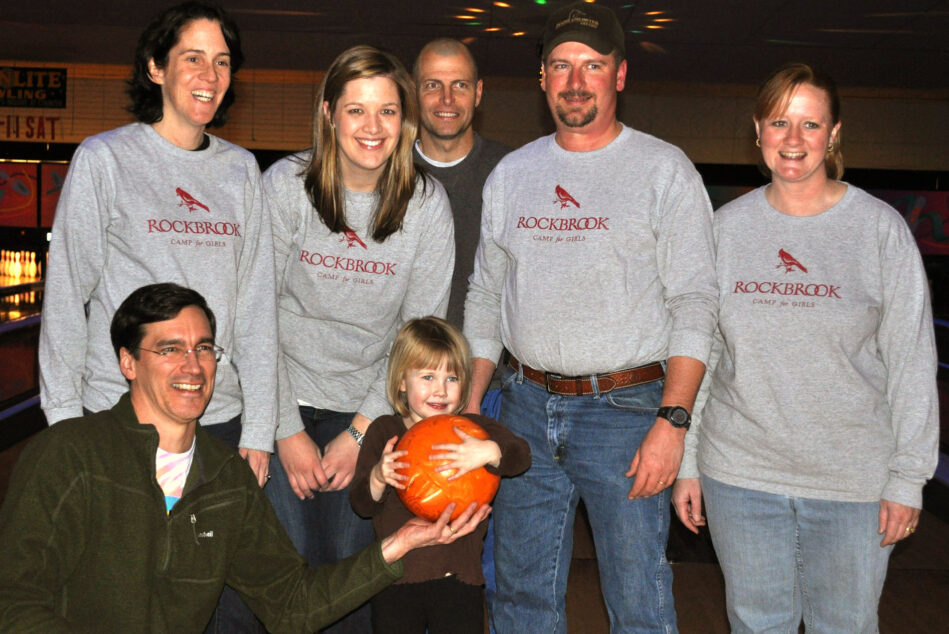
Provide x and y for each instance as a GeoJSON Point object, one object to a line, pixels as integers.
{"type": "Point", "coordinates": [882, 129]}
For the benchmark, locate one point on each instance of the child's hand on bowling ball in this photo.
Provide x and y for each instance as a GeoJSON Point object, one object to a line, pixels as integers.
{"type": "Point", "coordinates": [469, 454]}
{"type": "Point", "coordinates": [385, 472]}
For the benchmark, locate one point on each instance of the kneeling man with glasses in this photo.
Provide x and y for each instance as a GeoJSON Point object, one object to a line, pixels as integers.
{"type": "Point", "coordinates": [134, 518]}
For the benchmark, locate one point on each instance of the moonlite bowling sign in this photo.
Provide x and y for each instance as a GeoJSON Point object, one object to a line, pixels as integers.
{"type": "Point", "coordinates": [30, 87]}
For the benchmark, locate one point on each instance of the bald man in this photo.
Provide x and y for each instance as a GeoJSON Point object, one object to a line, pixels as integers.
{"type": "Point", "coordinates": [449, 92]}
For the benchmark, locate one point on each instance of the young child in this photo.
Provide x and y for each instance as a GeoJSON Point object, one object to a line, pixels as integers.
{"type": "Point", "coordinates": [442, 588]}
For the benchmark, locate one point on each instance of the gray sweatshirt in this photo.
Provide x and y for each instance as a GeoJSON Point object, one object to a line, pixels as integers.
{"type": "Point", "coordinates": [593, 261]}
{"type": "Point", "coordinates": [343, 296]}
{"type": "Point", "coordinates": [137, 210]}
{"type": "Point", "coordinates": [826, 385]}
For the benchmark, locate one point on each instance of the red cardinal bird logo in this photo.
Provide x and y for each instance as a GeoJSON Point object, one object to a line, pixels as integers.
{"type": "Point", "coordinates": [352, 239]}
{"type": "Point", "coordinates": [564, 198]}
{"type": "Point", "coordinates": [788, 262]}
{"type": "Point", "coordinates": [189, 201]}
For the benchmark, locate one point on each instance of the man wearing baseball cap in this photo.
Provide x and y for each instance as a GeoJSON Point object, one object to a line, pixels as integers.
{"type": "Point", "coordinates": [595, 270]}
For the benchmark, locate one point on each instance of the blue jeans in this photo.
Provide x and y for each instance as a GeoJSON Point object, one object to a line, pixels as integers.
{"type": "Point", "coordinates": [490, 407]}
{"type": "Point", "coordinates": [324, 529]}
{"type": "Point", "coordinates": [581, 448]}
{"type": "Point", "coordinates": [787, 558]}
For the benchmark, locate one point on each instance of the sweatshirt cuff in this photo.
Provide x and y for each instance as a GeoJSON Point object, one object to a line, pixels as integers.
{"type": "Point", "coordinates": [489, 349]}
{"type": "Point", "coordinates": [903, 491]}
{"type": "Point", "coordinates": [290, 423]}
{"type": "Point", "coordinates": [690, 344]}
{"type": "Point", "coordinates": [56, 414]}
{"type": "Point", "coordinates": [256, 436]}
{"type": "Point", "coordinates": [689, 468]}
{"type": "Point", "coordinates": [373, 407]}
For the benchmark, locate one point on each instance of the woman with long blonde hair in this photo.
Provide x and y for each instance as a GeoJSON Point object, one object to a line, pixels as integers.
{"type": "Point", "coordinates": [363, 243]}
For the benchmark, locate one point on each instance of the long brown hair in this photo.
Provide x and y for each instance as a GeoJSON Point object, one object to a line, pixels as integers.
{"type": "Point", "coordinates": [775, 94]}
{"type": "Point", "coordinates": [396, 186]}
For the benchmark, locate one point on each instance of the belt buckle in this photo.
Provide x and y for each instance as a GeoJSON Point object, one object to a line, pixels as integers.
{"type": "Point", "coordinates": [547, 378]}
{"type": "Point", "coordinates": [550, 376]}
{"type": "Point", "coordinates": [576, 380]}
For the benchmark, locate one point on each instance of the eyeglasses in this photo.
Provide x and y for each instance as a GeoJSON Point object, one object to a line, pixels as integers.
{"type": "Point", "coordinates": [177, 354]}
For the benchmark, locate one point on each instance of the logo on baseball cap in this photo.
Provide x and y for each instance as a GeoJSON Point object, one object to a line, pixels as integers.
{"type": "Point", "coordinates": [590, 24]}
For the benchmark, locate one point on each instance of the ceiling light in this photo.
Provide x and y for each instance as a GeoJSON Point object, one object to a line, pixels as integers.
{"type": "Point", "coordinates": [652, 47]}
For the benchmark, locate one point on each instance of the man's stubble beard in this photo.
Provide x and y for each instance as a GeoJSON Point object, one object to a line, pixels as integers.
{"type": "Point", "coordinates": [568, 118]}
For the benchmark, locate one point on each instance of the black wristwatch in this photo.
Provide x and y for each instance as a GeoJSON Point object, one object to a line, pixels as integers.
{"type": "Point", "coordinates": [677, 416]}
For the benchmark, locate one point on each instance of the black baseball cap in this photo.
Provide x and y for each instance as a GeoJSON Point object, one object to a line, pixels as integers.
{"type": "Point", "coordinates": [590, 24]}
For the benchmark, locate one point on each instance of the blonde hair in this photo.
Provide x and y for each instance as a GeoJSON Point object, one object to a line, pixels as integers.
{"type": "Point", "coordinates": [775, 94]}
{"type": "Point", "coordinates": [323, 183]}
{"type": "Point", "coordinates": [427, 343]}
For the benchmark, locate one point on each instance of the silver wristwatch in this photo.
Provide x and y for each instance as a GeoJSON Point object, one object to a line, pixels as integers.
{"type": "Point", "coordinates": [356, 434]}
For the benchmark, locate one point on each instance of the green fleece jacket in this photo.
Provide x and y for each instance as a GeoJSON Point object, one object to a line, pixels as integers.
{"type": "Point", "coordinates": [86, 544]}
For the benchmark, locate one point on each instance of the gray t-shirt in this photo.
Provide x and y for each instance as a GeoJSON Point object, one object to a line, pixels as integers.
{"type": "Point", "coordinates": [826, 385]}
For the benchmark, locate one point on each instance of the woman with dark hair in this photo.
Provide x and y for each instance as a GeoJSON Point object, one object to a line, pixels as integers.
{"type": "Point", "coordinates": [821, 425]}
{"type": "Point", "coordinates": [160, 200]}
{"type": "Point", "coordinates": [363, 242]}
{"type": "Point", "coordinates": [152, 53]}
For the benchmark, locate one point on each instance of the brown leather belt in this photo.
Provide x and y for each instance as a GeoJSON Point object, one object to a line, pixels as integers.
{"type": "Point", "coordinates": [583, 385]}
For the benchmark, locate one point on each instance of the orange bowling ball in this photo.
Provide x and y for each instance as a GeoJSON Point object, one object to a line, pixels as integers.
{"type": "Point", "coordinates": [427, 492]}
